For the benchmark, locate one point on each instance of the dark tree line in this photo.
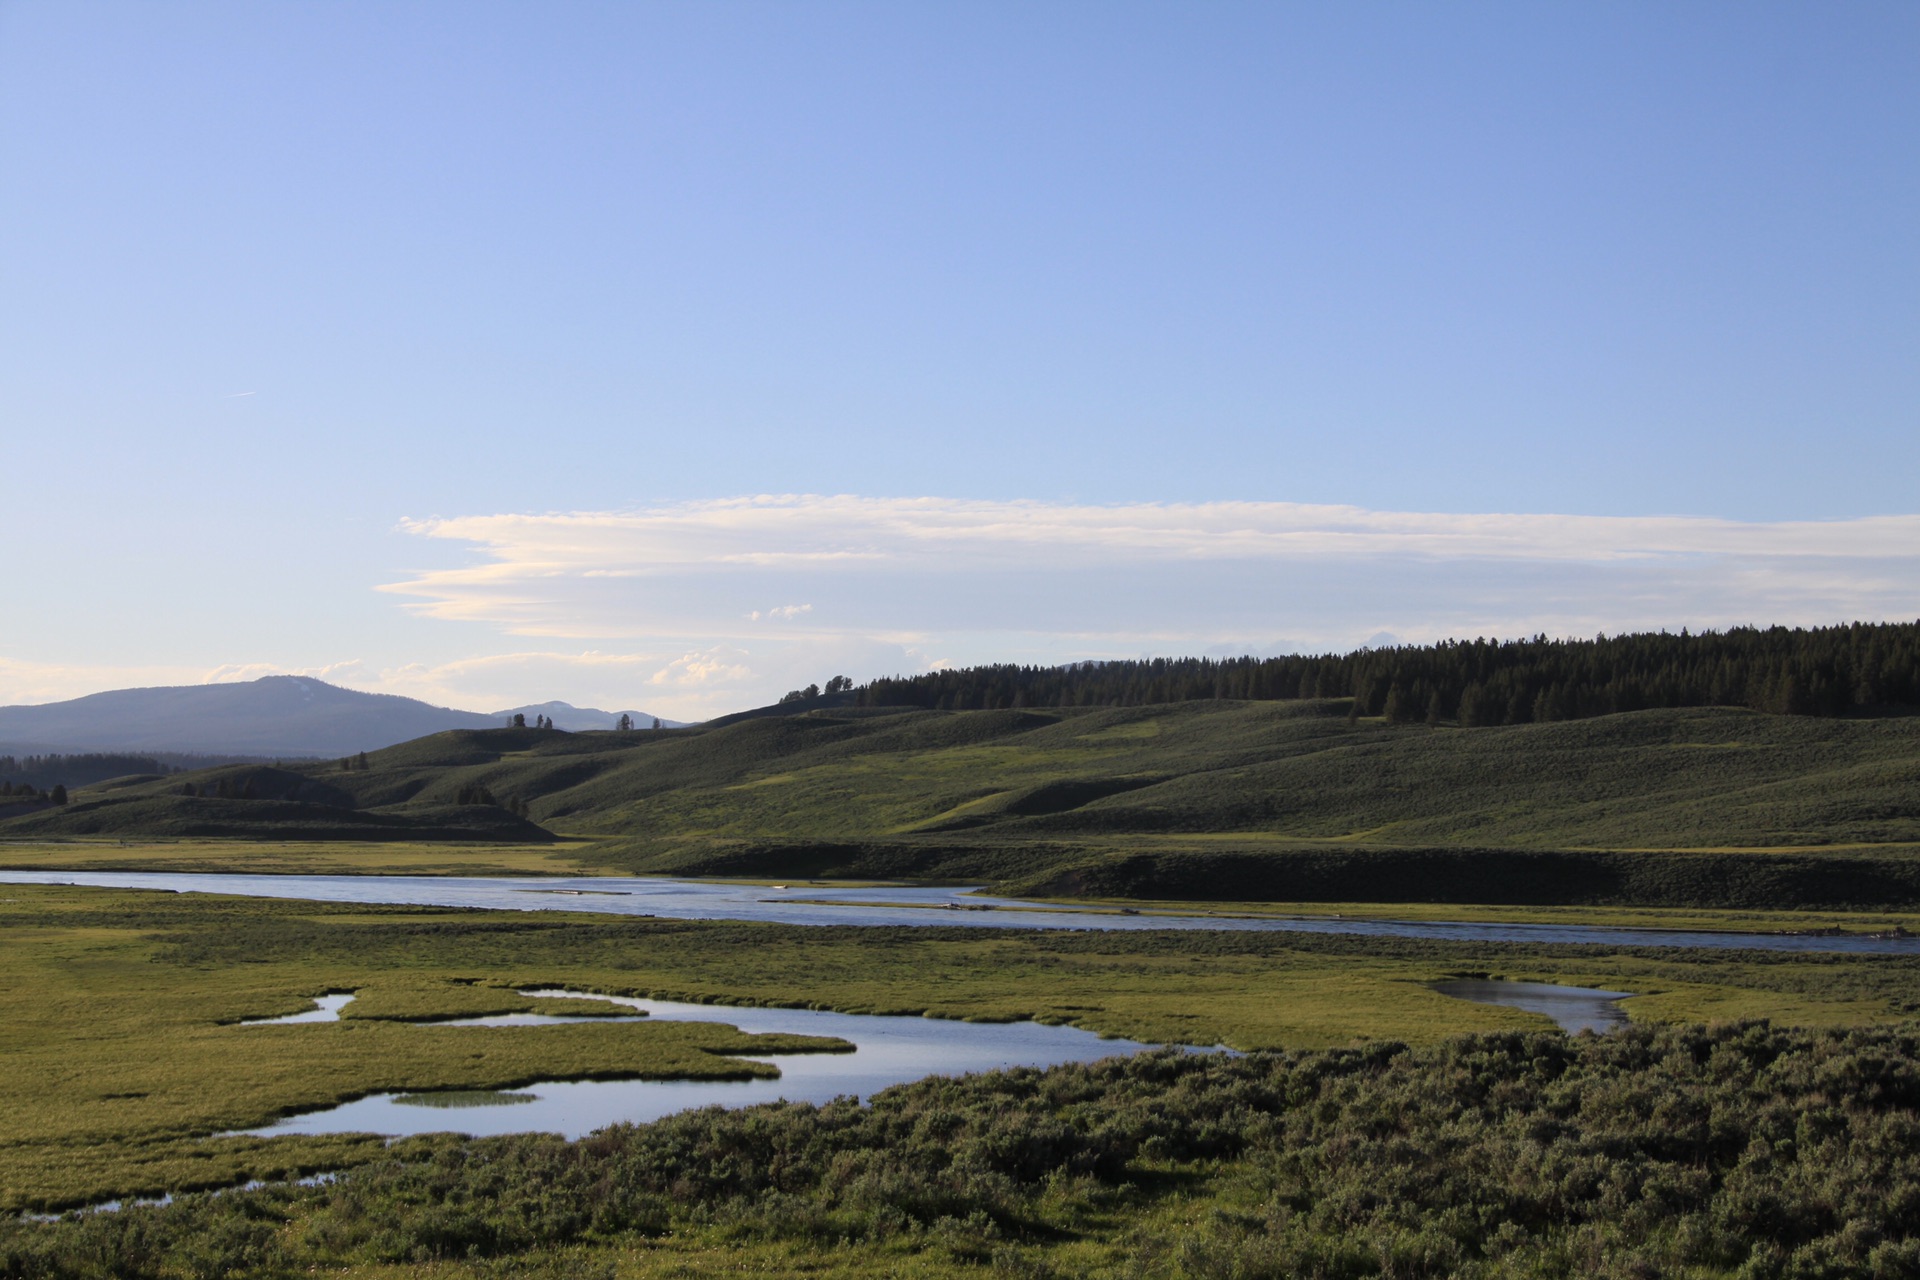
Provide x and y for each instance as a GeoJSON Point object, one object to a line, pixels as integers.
{"type": "Point", "coordinates": [76, 770]}
{"type": "Point", "coordinates": [837, 685]}
{"type": "Point", "coordinates": [474, 793]}
{"type": "Point", "coordinates": [86, 768]}
{"type": "Point", "coordinates": [1822, 671]}
{"type": "Point", "coordinates": [27, 793]}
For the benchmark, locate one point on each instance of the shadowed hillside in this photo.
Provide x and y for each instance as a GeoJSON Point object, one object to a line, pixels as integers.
{"type": "Point", "coordinates": [1196, 800]}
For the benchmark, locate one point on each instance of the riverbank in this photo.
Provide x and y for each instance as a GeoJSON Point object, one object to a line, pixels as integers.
{"type": "Point", "coordinates": [924, 906]}
{"type": "Point", "coordinates": [587, 858]}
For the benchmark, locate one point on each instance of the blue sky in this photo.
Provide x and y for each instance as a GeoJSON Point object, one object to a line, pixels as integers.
{"type": "Point", "coordinates": [491, 353]}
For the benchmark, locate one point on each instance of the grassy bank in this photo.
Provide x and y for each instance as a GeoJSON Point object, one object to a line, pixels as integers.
{"type": "Point", "coordinates": [298, 857]}
{"type": "Point", "coordinates": [121, 1056]}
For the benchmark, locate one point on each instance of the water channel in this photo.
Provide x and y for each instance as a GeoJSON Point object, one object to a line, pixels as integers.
{"type": "Point", "coordinates": [896, 905]}
{"type": "Point", "coordinates": [887, 1050]}
{"type": "Point", "coordinates": [1573, 1009]}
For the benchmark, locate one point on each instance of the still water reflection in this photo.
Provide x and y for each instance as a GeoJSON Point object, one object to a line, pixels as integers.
{"type": "Point", "coordinates": [1575, 1009]}
{"type": "Point", "coordinates": [887, 1051]}
{"type": "Point", "coordinates": [892, 905]}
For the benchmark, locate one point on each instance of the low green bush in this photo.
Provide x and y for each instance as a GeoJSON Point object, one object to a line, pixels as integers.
{"type": "Point", "coordinates": [1737, 1149]}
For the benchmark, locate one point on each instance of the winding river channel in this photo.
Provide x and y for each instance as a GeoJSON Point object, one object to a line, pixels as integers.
{"type": "Point", "coordinates": [884, 1050]}
{"type": "Point", "coordinates": [897, 905]}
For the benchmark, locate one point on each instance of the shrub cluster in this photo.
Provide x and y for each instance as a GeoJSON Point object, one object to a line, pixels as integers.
{"type": "Point", "coordinates": [1741, 1149]}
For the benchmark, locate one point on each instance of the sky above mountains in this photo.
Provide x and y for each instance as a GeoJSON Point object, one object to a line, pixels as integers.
{"type": "Point", "coordinates": [680, 354]}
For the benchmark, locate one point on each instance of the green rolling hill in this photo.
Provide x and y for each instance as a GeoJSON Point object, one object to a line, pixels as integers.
{"type": "Point", "coordinates": [1206, 799]}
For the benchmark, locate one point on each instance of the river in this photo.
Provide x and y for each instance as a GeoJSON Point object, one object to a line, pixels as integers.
{"type": "Point", "coordinates": [897, 905]}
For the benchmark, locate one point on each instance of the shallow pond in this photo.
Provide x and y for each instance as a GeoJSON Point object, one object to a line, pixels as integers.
{"type": "Point", "coordinates": [325, 1009]}
{"type": "Point", "coordinates": [893, 905]}
{"type": "Point", "coordinates": [887, 1051]}
{"type": "Point", "coordinates": [1575, 1009]}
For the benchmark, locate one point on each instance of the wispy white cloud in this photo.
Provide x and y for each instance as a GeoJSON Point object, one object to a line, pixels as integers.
{"type": "Point", "coordinates": [351, 671]}
{"type": "Point", "coordinates": [920, 582]}
{"type": "Point", "coordinates": [666, 609]}
{"type": "Point", "coordinates": [25, 683]}
{"type": "Point", "coordinates": [907, 568]}
{"type": "Point", "coordinates": [784, 613]}
{"type": "Point", "coordinates": [681, 684]}
{"type": "Point", "coordinates": [718, 665]}
{"type": "Point", "coordinates": [846, 533]}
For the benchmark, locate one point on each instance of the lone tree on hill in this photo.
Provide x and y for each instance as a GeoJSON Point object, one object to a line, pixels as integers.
{"type": "Point", "coordinates": [626, 723]}
{"type": "Point", "coordinates": [656, 722]}
{"type": "Point", "coordinates": [59, 793]}
{"type": "Point", "coordinates": [519, 720]}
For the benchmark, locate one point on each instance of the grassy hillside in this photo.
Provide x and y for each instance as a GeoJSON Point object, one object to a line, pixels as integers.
{"type": "Point", "coordinates": [1199, 799]}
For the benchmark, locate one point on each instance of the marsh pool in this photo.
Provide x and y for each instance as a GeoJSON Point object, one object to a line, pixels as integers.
{"type": "Point", "coordinates": [888, 1050]}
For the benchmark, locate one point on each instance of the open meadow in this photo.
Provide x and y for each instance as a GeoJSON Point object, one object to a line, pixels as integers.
{"type": "Point", "coordinates": [1738, 1122]}
{"type": "Point", "coordinates": [654, 639]}
{"type": "Point", "coordinates": [1349, 1141]}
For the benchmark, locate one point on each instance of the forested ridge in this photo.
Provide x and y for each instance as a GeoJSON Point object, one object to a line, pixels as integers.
{"type": "Point", "coordinates": [86, 768]}
{"type": "Point", "coordinates": [75, 770]}
{"type": "Point", "coordinates": [1820, 671]}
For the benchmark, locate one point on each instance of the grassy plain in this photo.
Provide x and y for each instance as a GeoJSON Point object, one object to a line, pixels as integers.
{"type": "Point", "coordinates": [121, 1057]}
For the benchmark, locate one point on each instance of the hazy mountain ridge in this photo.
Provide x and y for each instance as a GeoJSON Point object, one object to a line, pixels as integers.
{"type": "Point", "coordinates": [571, 719]}
{"type": "Point", "coordinates": [275, 716]}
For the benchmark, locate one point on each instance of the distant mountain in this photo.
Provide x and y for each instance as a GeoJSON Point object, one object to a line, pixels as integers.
{"type": "Point", "coordinates": [277, 716]}
{"type": "Point", "coordinates": [574, 719]}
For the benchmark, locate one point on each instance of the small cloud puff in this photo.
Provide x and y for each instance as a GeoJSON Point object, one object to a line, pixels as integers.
{"type": "Point", "coordinates": [713, 666]}
{"type": "Point", "coordinates": [785, 612]}
{"type": "Point", "coordinates": [350, 671]}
